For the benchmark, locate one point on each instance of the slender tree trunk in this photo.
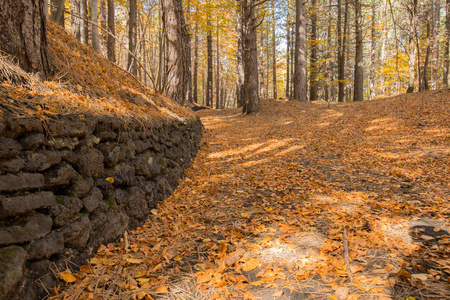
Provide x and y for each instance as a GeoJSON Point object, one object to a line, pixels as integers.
{"type": "Point", "coordinates": [75, 7]}
{"type": "Point", "coordinates": [411, 64]}
{"type": "Point", "coordinates": [373, 54]}
{"type": "Point", "coordinates": [446, 79]}
{"type": "Point", "coordinates": [209, 80]}
{"type": "Point", "coordinates": [58, 11]}
{"type": "Point", "coordinates": [195, 75]}
{"type": "Point", "coordinates": [25, 19]}
{"type": "Point", "coordinates": [274, 50]}
{"type": "Point", "coordinates": [111, 26]}
{"type": "Point", "coordinates": [188, 21]}
{"type": "Point", "coordinates": [288, 56]}
{"type": "Point", "coordinates": [329, 73]}
{"type": "Point", "coordinates": [300, 53]}
{"type": "Point", "coordinates": [251, 97]}
{"type": "Point", "coordinates": [426, 83]}
{"type": "Point", "coordinates": [240, 59]}
{"type": "Point", "coordinates": [46, 8]}
{"type": "Point", "coordinates": [132, 36]}
{"type": "Point", "coordinates": [217, 68]}
{"type": "Point", "coordinates": [358, 90]}
{"type": "Point", "coordinates": [94, 19]}
{"type": "Point", "coordinates": [342, 57]}
{"type": "Point", "coordinates": [313, 55]}
{"type": "Point", "coordinates": [84, 29]}
{"type": "Point", "coordinates": [177, 50]}
{"type": "Point", "coordinates": [103, 20]}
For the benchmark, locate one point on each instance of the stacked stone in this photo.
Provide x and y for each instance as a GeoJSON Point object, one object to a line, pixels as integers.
{"type": "Point", "coordinates": [56, 203]}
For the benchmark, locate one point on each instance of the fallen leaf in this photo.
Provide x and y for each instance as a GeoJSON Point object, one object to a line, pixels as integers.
{"type": "Point", "coordinates": [251, 264]}
{"type": "Point", "coordinates": [161, 289]}
{"type": "Point", "coordinates": [110, 179]}
{"type": "Point", "coordinates": [68, 277]}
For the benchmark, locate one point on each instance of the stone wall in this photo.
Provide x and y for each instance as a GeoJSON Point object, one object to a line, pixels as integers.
{"type": "Point", "coordinates": [56, 204]}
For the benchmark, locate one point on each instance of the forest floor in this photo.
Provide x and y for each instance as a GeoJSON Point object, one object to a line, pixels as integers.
{"type": "Point", "coordinates": [263, 211]}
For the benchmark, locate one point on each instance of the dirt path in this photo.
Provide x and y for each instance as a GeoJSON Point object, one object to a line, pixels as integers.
{"type": "Point", "coordinates": [262, 212]}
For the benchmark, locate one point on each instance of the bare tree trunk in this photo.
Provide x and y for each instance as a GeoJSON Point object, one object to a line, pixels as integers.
{"type": "Point", "coordinates": [111, 26]}
{"type": "Point", "coordinates": [94, 19]}
{"type": "Point", "coordinates": [329, 73]}
{"type": "Point", "coordinates": [240, 59]}
{"type": "Point", "coordinates": [251, 97]}
{"type": "Point", "coordinates": [46, 8]}
{"type": "Point", "coordinates": [195, 75]}
{"type": "Point", "coordinates": [25, 19]}
{"type": "Point", "coordinates": [84, 30]}
{"type": "Point", "coordinates": [132, 36]}
{"type": "Point", "coordinates": [274, 49]}
{"type": "Point", "coordinates": [426, 83]}
{"type": "Point", "coordinates": [288, 56]}
{"type": "Point", "coordinates": [217, 68]}
{"type": "Point", "coordinates": [342, 53]}
{"type": "Point", "coordinates": [177, 50]}
{"type": "Point", "coordinates": [300, 52]}
{"type": "Point", "coordinates": [75, 7]}
{"type": "Point", "coordinates": [209, 80]}
{"type": "Point", "coordinates": [373, 54]}
{"type": "Point", "coordinates": [58, 12]}
{"type": "Point", "coordinates": [358, 90]}
{"type": "Point", "coordinates": [188, 22]}
{"type": "Point", "coordinates": [446, 79]}
{"type": "Point", "coordinates": [411, 64]}
{"type": "Point", "coordinates": [313, 55]}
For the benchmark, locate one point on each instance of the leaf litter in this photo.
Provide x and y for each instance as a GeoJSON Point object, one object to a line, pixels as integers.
{"type": "Point", "coordinates": [262, 212]}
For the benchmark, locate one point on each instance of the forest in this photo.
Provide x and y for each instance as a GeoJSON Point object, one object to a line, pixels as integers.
{"type": "Point", "coordinates": [345, 50]}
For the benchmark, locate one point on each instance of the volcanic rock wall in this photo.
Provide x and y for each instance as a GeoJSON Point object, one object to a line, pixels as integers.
{"type": "Point", "coordinates": [69, 184]}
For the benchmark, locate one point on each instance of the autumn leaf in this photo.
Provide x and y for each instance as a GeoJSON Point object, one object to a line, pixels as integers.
{"type": "Point", "coordinates": [67, 277]}
{"type": "Point", "coordinates": [110, 179]}
{"type": "Point", "coordinates": [134, 260]}
{"type": "Point", "coordinates": [251, 264]}
{"type": "Point", "coordinates": [161, 289]}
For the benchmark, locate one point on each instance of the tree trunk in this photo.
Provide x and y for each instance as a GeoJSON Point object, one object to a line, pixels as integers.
{"type": "Point", "coordinates": [217, 68]}
{"type": "Point", "coordinates": [426, 83]}
{"type": "Point", "coordinates": [359, 63]}
{"type": "Point", "coordinates": [329, 73]}
{"type": "Point", "coordinates": [58, 12]}
{"type": "Point", "coordinates": [209, 79]}
{"type": "Point", "coordinates": [111, 26]}
{"type": "Point", "coordinates": [411, 65]}
{"type": "Point", "coordinates": [195, 75]}
{"type": "Point", "coordinates": [373, 54]}
{"type": "Point", "coordinates": [300, 52]}
{"type": "Point", "coordinates": [177, 50]}
{"type": "Point", "coordinates": [25, 19]}
{"type": "Point", "coordinates": [240, 59]}
{"type": "Point", "coordinates": [94, 19]}
{"type": "Point", "coordinates": [446, 79]}
{"type": "Point", "coordinates": [313, 57]}
{"type": "Point", "coordinates": [75, 7]}
{"type": "Point", "coordinates": [251, 97]}
{"type": "Point", "coordinates": [132, 36]}
{"type": "Point", "coordinates": [188, 22]}
{"type": "Point", "coordinates": [342, 57]}
{"type": "Point", "coordinates": [84, 29]}
{"type": "Point", "coordinates": [274, 50]}
{"type": "Point", "coordinates": [288, 56]}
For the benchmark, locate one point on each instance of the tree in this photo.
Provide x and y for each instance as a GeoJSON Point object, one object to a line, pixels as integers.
{"type": "Point", "coordinates": [178, 49]}
{"type": "Point", "coordinates": [132, 36]}
{"type": "Point", "coordinates": [446, 79]}
{"type": "Point", "coordinates": [94, 19]}
{"type": "Point", "coordinates": [300, 52]}
{"type": "Point", "coordinates": [274, 54]}
{"type": "Point", "coordinates": [251, 97]}
{"type": "Point", "coordinates": [25, 19]}
{"type": "Point", "coordinates": [111, 43]}
{"type": "Point", "coordinates": [75, 7]}
{"type": "Point", "coordinates": [358, 83]}
{"type": "Point", "coordinates": [313, 57]}
{"type": "Point", "coordinates": [209, 79]}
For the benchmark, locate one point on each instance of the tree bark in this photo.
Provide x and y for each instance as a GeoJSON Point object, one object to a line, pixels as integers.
{"type": "Point", "coordinates": [300, 53]}
{"type": "Point", "coordinates": [209, 79]}
{"type": "Point", "coordinates": [251, 97]}
{"type": "Point", "coordinates": [342, 55]}
{"type": "Point", "coordinates": [240, 59]}
{"type": "Point", "coordinates": [329, 73]}
{"type": "Point", "coordinates": [373, 54]}
{"type": "Point", "coordinates": [446, 79]}
{"type": "Point", "coordinates": [195, 75]}
{"type": "Point", "coordinates": [25, 19]}
{"type": "Point", "coordinates": [84, 29]}
{"type": "Point", "coordinates": [94, 19]}
{"type": "Point", "coordinates": [111, 44]}
{"type": "Point", "coordinates": [177, 50]}
{"type": "Point", "coordinates": [274, 51]}
{"type": "Point", "coordinates": [288, 55]}
{"type": "Point", "coordinates": [75, 7]}
{"type": "Point", "coordinates": [358, 87]}
{"type": "Point", "coordinates": [411, 64]}
{"type": "Point", "coordinates": [313, 55]}
{"type": "Point", "coordinates": [217, 68]}
{"type": "Point", "coordinates": [58, 12]}
{"type": "Point", "coordinates": [132, 36]}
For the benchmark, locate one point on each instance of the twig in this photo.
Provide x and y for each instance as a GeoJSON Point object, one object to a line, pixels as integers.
{"type": "Point", "coordinates": [346, 255]}
{"type": "Point", "coordinates": [126, 242]}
